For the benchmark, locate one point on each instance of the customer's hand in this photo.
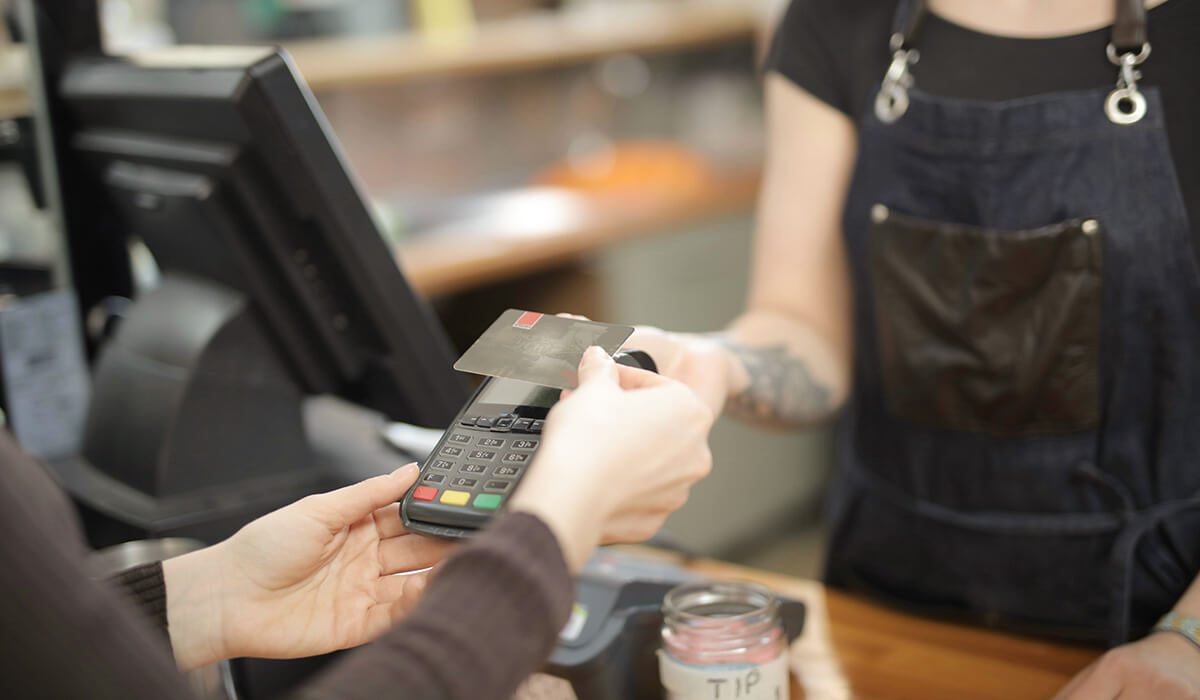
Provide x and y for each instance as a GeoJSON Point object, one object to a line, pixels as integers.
{"type": "Point", "coordinates": [1163, 666]}
{"type": "Point", "coordinates": [618, 455]}
{"type": "Point", "coordinates": [695, 360]}
{"type": "Point", "coordinates": [309, 578]}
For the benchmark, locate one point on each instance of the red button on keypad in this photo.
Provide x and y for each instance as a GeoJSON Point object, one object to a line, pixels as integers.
{"type": "Point", "coordinates": [424, 493]}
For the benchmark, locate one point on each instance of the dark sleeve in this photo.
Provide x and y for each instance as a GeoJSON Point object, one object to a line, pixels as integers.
{"type": "Point", "coordinates": [144, 587]}
{"type": "Point", "coordinates": [488, 620]}
{"type": "Point", "coordinates": [66, 636]}
{"type": "Point", "coordinates": [836, 50]}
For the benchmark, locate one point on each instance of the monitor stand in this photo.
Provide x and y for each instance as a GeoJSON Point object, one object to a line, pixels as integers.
{"type": "Point", "coordinates": [196, 426]}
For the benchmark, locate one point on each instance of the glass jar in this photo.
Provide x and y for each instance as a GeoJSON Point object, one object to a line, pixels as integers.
{"type": "Point", "coordinates": [723, 640]}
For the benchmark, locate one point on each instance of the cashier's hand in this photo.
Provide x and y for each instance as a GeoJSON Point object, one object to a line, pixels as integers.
{"type": "Point", "coordinates": [1163, 666]}
{"type": "Point", "coordinates": [310, 578]}
{"type": "Point", "coordinates": [618, 455]}
{"type": "Point", "coordinates": [695, 360]}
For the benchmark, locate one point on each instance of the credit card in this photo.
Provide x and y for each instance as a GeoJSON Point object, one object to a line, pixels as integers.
{"type": "Point", "coordinates": [538, 348]}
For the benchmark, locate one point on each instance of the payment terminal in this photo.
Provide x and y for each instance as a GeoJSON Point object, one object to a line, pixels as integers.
{"type": "Point", "coordinates": [481, 457]}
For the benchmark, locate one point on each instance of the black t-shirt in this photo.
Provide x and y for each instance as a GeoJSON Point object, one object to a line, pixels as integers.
{"type": "Point", "coordinates": [837, 50]}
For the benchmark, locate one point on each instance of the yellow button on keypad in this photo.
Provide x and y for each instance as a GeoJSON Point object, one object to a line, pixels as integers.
{"type": "Point", "coordinates": [455, 498]}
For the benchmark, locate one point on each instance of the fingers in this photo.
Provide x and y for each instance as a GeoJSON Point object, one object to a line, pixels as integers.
{"type": "Point", "coordinates": [411, 552]}
{"type": "Point", "coordinates": [1068, 691]}
{"type": "Point", "coordinates": [632, 378]}
{"type": "Point", "coordinates": [401, 592]}
{"type": "Point", "coordinates": [1093, 683]}
{"type": "Point", "coordinates": [388, 522]}
{"type": "Point", "coordinates": [597, 367]}
{"type": "Point", "coordinates": [348, 505]}
{"type": "Point", "coordinates": [706, 373]}
{"type": "Point", "coordinates": [684, 406]}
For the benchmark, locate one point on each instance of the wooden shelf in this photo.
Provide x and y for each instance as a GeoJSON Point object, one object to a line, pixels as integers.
{"type": "Point", "coordinates": [527, 42]}
{"type": "Point", "coordinates": [531, 230]}
{"type": "Point", "coordinates": [523, 43]}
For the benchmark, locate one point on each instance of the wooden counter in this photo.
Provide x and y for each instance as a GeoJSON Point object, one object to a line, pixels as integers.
{"type": "Point", "coordinates": [530, 230]}
{"type": "Point", "coordinates": [852, 648]}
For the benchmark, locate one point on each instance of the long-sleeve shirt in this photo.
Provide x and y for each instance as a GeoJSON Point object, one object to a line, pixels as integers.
{"type": "Point", "coordinates": [487, 620]}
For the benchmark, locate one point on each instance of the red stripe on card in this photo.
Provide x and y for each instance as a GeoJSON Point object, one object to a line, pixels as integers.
{"type": "Point", "coordinates": [527, 319]}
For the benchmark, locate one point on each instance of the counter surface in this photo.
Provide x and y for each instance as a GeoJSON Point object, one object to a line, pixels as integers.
{"type": "Point", "coordinates": [852, 648]}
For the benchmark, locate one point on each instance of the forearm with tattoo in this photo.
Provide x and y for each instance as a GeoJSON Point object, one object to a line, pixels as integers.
{"type": "Point", "coordinates": [782, 389]}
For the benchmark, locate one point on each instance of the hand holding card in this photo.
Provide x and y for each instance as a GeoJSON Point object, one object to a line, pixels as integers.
{"type": "Point", "coordinates": [476, 465]}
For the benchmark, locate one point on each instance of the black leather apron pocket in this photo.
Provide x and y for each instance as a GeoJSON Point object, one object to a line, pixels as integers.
{"type": "Point", "coordinates": [988, 331]}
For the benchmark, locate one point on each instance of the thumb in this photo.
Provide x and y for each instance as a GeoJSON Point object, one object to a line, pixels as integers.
{"type": "Point", "coordinates": [597, 367]}
{"type": "Point", "coordinates": [348, 505]}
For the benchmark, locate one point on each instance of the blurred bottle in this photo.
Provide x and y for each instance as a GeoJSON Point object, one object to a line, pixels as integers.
{"type": "Point", "coordinates": [287, 19]}
{"type": "Point", "coordinates": [130, 25]}
{"type": "Point", "coordinates": [440, 19]}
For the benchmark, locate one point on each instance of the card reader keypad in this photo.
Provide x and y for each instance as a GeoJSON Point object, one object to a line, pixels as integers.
{"type": "Point", "coordinates": [478, 463]}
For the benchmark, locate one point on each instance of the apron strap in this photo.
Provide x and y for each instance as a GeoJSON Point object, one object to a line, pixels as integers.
{"type": "Point", "coordinates": [1128, 32]}
{"type": "Point", "coordinates": [1129, 26]}
{"type": "Point", "coordinates": [1126, 49]}
{"type": "Point", "coordinates": [905, 23]}
{"type": "Point", "coordinates": [891, 102]}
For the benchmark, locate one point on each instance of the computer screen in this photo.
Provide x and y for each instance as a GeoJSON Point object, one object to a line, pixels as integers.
{"type": "Point", "coordinates": [220, 160]}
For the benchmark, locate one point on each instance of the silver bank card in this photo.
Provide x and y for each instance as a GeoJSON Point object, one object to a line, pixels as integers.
{"type": "Point", "coordinates": [538, 348]}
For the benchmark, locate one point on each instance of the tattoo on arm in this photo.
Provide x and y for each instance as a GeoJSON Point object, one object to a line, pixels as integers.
{"type": "Point", "coordinates": [782, 389]}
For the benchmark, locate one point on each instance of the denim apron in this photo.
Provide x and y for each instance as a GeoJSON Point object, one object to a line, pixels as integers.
{"type": "Point", "coordinates": [1022, 442]}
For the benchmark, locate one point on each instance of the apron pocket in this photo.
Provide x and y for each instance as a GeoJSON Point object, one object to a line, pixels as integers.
{"type": "Point", "coordinates": [988, 331]}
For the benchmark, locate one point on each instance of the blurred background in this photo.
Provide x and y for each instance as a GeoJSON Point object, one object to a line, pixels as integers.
{"type": "Point", "coordinates": [600, 157]}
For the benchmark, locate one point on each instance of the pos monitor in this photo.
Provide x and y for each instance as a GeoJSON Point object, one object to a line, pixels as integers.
{"type": "Point", "coordinates": [275, 286]}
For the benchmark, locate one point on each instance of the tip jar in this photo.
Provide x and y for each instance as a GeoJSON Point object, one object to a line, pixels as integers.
{"type": "Point", "coordinates": [723, 640]}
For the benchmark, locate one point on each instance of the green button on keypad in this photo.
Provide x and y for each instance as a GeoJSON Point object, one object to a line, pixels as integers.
{"type": "Point", "coordinates": [487, 500]}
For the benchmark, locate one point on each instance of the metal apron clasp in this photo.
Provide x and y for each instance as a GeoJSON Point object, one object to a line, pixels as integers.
{"type": "Point", "coordinates": [1126, 104]}
{"type": "Point", "coordinates": [892, 101]}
